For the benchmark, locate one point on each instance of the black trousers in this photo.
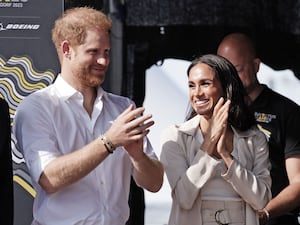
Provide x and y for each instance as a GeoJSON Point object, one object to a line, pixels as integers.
{"type": "Point", "coordinates": [284, 220]}
{"type": "Point", "coordinates": [136, 204]}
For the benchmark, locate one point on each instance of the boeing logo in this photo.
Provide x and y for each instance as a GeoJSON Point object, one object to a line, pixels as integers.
{"type": "Point", "coordinates": [19, 26]}
{"type": "Point", "coordinates": [1, 27]}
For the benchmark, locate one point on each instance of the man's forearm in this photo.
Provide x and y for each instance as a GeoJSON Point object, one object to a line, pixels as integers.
{"type": "Point", "coordinates": [285, 201]}
{"type": "Point", "coordinates": [148, 173]}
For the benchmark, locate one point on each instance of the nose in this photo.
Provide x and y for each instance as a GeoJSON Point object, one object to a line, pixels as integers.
{"type": "Point", "coordinates": [102, 61]}
{"type": "Point", "coordinates": [198, 91]}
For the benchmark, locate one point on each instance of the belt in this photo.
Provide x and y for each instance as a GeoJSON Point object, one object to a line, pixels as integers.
{"type": "Point", "coordinates": [223, 212]}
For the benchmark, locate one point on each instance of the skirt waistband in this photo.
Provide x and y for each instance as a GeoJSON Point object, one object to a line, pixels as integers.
{"type": "Point", "coordinates": [223, 212]}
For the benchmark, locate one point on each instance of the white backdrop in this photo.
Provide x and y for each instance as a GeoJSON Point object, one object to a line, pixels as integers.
{"type": "Point", "coordinates": [166, 99]}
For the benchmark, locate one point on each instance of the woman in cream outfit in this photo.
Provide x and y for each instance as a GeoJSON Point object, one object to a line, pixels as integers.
{"type": "Point", "coordinates": [217, 161]}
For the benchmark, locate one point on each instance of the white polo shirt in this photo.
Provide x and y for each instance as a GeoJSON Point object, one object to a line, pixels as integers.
{"type": "Point", "coordinates": [52, 122]}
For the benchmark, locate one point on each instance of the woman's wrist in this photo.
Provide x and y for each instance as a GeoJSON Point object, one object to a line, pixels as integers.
{"type": "Point", "coordinates": [207, 147]}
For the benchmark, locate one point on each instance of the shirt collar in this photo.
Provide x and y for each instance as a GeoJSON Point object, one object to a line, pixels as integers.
{"type": "Point", "coordinates": [66, 91]}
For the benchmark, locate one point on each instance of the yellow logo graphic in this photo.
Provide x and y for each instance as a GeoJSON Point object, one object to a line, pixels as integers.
{"type": "Point", "coordinates": [18, 79]}
{"type": "Point", "coordinates": [264, 117]}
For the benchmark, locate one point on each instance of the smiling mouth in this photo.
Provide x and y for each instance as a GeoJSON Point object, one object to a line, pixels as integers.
{"type": "Point", "coordinates": [99, 68]}
{"type": "Point", "coordinates": [201, 102]}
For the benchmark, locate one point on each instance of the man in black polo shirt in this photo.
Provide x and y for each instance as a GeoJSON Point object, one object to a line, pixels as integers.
{"type": "Point", "coordinates": [279, 118]}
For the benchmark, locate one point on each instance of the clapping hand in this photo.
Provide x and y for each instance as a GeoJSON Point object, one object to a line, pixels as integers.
{"type": "Point", "coordinates": [129, 129]}
{"type": "Point", "coordinates": [215, 134]}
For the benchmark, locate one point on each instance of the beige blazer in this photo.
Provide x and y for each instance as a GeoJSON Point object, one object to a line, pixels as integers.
{"type": "Point", "coordinates": [188, 168]}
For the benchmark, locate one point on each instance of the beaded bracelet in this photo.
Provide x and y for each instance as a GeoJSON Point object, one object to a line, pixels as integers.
{"type": "Point", "coordinates": [107, 144]}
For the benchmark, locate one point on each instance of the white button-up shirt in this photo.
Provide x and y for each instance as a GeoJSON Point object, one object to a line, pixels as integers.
{"type": "Point", "coordinates": [52, 122]}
